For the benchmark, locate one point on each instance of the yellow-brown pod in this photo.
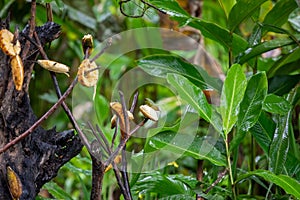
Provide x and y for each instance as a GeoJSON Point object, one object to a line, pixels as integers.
{"type": "Point", "coordinates": [14, 183]}
{"type": "Point", "coordinates": [54, 66]}
{"type": "Point", "coordinates": [88, 73]}
{"type": "Point", "coordinates": [87, 44]}
{"type": "Point", "coordinates": [17, 71]}
{"type": "Point", "coordinates": [6, 43]}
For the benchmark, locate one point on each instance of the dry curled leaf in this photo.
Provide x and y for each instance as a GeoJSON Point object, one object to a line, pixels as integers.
{"type": "Point", "coordinates": [17, 71]}
{"type": "Point", "coordinates": [88, 73]}
{"type": "Point", "coordinates": [7, 45]}
{"type": "Point", "coordinates": [54, 66]}
{"type": "Point", "coordinates": [14, 183]}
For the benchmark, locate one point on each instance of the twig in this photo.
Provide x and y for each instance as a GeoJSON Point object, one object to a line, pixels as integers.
{"type": "Point", "coordinates": [115, 134]}
{"type": "Point", "coordinates": [39, 121]}
{"type": "Point", "coordinates": [104, 139]}
{"type": "Point", "coordinates": [99, 139]}
{"type": "Point", "coordinates": [58, 93]}
{"type": "Point", "coordinates": [134, 101]}
{"type": "Point", "coordinates": [220, 176]}
{"type": "Point", "coordinates": [108, 44]}
{"type": "Point", "coordinates": [31, 29]}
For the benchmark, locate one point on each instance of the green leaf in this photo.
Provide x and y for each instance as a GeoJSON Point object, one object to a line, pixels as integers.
{"type": "Point", "coordinates": [290, 185]}
{"type": "Point", "coordinates": [194, 96]}
{"type": "Point", "coordinates": [232, 95]}
{"type": "Point", "coordinates": [200, 148]}
{"type": "Point", "coordinates": [294, 19]}
{"type": "Point", "coordinates": [164, 185]}
{"type": "Point", "coordinates": [280, 12]}
{"type": "Point", "coordinates": [212, 31]}
{"type": "Point", "coordinates": [264, 47]}
{"type": "Point", "coordinates": [101, 108]}
{"type": "Point", "coordinates": [241, 10]}
{"type": "Point", "coordinates": [171, 7]}
{"type": "Point", "coordinates": [251, 105]}
{"type": "Point", "coordinates": [263, 131]}
{"type": "Point", "coordinates": [292, 56]}
{"type": "Point", "coordinates": [280, 144]}
{"type": "Point", "coordinates": [57, 191]}
{"type": "Point", "coordinates": [281, 85]}
{"type": "Point", "coordinates": [276, 104]}
{"type": "Point", "coordinates": [227, 5]}
{"type": "Point", "coordinates": [161, 65]}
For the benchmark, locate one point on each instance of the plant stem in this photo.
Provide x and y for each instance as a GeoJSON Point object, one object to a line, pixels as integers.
{"type": "Point", "coordinates": [231, 180]}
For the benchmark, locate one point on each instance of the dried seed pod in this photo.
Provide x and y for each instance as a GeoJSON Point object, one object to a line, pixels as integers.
{"type": "Point", "coordinates": [87, 44]}
{"type": "Point", "coordinates": [149, 112]}
{"type": "Point", "coordinates": [6, 43]}
{"type": "Point", "coordinates": [54, 66]}
{"type": "Point", "coordinates": [88, 73]}
{"type": "Point", "coordinates": [14, 183]}
{"type": "Point", "coordinates": [17, 71]}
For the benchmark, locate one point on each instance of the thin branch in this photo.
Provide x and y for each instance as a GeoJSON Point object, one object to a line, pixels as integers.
{"type": "Point", "coordinates": [220, 176]}
{"type": "Point", "coordinates": [115, 133]}
{"type": "Point", "coordinates": [39, 121]}
{"type": "Point", "coordinates": [104, 139]}
{"type": "Point", "coordinates": [31, 29]}
{"type": "Point", "coordinates": [108, 44]}
{"type": "Point", "coordinates": [134, 101]}
{"type": "Point", "coordinates": [99, 139]}
{"type": "Point", "coordinates": [58, 93]}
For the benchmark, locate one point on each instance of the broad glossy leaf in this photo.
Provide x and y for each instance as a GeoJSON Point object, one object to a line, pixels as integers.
{"type": "Point", "coordinates": [162, 184]}
{"type": "Point", "coordinates": [294, 19]}
{"type": "Point", "coordinates": [200, 148]}
{"type": "Point", "coordinates": [229, 41]}
{"type": "Point", "coordinates": [251, 105]}
{"type": "Point", "coordinates": [171, 7]}
{"type": "Point", "coordinates": [161, 65]}
{"type": "Point", "coordinates": [264, 47]}
{"type": "Point", "coordinates": [227, 5]}
{"type": "Point", "coordinates": [276, 104]}
{"type": "Point", "coordinates": [290, 185]}
{"type": "Point", "coordinates": [232, 95]}
{"type": "Point", "coordinates": [282, 62]}
{"type": "Point", "coordinates": [280, 144]}
{"type": "Point", "coordinates": [280, 12]}
{"type": "Point", "coordinates": [263, 131]}
{"type": "Point", "coordinates": [194, 96]}
{"type": "Point", "coordinates": [241, 10]}
{"type": "Point", "coordinates": [281, 85]}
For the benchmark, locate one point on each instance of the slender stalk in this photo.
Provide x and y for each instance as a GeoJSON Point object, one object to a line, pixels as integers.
{"type": "Point", "coordinates": [252, 162]}
{"type": "Point", "coordinates": [231, 180]}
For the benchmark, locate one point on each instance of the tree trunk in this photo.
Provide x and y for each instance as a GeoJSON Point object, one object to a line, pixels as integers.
{"type": "Point", "coordinates": [38, 157]}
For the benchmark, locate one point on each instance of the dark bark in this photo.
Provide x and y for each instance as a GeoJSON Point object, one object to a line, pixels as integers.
{"type": "Point", "coordinates": [38, 157]}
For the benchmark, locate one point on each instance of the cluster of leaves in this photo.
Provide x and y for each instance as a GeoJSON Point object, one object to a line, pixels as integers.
{"type": "Point", "coordinates": [258, 116]}
{"type": "Point", "coordinates": [261, 107]}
